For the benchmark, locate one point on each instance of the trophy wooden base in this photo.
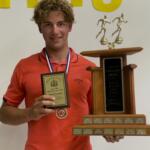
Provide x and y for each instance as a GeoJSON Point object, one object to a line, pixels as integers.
{"type": "Point", "coordinates": [129, 125]}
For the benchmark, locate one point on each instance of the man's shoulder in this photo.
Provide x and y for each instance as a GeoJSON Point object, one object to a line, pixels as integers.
{"type": "Point", "coordinates": [30, 59]}
{"type": "Point", "coordinates": [34, 56]}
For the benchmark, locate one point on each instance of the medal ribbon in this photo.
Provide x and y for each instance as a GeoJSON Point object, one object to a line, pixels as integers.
{"type": "Point", "coordinates": [51, 66]}
{"type": "Point", "coordinates": [60, 113]}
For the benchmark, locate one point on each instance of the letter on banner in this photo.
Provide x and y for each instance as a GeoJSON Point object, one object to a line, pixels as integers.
{"type": "Point", "coordinates": [101, 5]}
{"type": "Point", "coordinates": [5, 3]}
{"type": "Point", "coordinates": [77, 3]}
{"type": "Point", "coordinates": [31, 3]}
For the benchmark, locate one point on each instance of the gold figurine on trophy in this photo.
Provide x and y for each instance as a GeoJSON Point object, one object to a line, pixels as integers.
{"type": "Point", "coordinates": [118, 39]}
{"type": "Point", "coordinates": [103, 21]}
{"type": "Point", "coordinates": [120, 20]}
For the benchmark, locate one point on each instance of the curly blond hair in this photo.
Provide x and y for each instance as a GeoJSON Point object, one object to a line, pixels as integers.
{"type": "Point", "coordinates": [44, 7]}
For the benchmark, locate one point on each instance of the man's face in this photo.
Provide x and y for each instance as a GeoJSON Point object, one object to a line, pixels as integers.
{"type": "Point", "coordinates": [55, 31]}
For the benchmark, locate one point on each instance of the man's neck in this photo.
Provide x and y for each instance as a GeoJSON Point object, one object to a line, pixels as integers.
{"type": "Point", "coordinates": [58, 55]}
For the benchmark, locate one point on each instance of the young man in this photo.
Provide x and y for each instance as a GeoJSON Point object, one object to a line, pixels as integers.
{"type": "Point", "coordinates": [46, 129]}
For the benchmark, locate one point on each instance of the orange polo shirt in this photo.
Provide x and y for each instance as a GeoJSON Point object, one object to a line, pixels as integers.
{"type": "Point", "coordinates": [49, 132]}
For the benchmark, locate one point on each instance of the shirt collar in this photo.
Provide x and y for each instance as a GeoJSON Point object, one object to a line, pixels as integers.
{"type": "Point", "coordinates": [74, 56]}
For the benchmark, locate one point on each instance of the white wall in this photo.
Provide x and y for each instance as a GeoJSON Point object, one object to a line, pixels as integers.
{"type": "Point", "coordinates": [19, 38]}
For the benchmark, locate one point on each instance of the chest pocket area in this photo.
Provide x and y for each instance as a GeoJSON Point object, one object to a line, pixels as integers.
{"type": "Point", "coordinates": [79, 86]}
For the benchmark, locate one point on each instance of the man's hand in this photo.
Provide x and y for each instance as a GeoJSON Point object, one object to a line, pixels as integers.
{"type": "Point", "coordinates": [113, 139]}
{"type": "Point", "coordinates": [39, 108]}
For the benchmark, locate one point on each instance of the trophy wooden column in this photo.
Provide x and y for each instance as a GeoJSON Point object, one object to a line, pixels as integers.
{"type": "Point", "coordinates": [99, 91]}
{"type": "Point", "coordinates": [114, 111]}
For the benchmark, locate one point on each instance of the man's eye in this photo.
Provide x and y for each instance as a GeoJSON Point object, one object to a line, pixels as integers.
{"type": "Point", "coordinates": [47, 24]}
{"type": "Point", "coordinates": [61, 24]}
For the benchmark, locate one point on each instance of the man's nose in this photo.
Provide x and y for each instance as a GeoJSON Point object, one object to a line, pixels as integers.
{"type": "Point", "coordinates": [55, 29]}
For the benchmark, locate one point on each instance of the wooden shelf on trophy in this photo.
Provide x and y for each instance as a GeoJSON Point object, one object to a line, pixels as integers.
{"type": "Point", "coordinates": [125, 130]}
{"type": "Point", "coordinates": [125, 119]}
{"type": "Point", "coordinates": [112, 52]}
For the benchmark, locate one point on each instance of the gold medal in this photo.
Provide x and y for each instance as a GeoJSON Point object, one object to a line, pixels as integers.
{"type": "Point", "coordinates": [61, 113]}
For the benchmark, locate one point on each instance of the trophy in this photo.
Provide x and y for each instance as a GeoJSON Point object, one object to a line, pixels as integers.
{"type": "Point", "coordinates": [114, 111]}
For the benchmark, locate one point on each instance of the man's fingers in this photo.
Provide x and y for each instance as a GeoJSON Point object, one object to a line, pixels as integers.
{"type": "Point", "coordinates": [113, 139]}
{"type": "Point", "coordinates": [119, 137]}
{"type": "Point", "coordinates": [44, 103]}
{"type": "Point", "coordinates": [47, 110]}
{"type": "Point", "coordinates": [45, 97]}
{"type": "Point", "coordinates": [109, 138]}
{"type": "Point", "coordinates": [44, 100]}
{"type": "Point", "coordinates": [47, 103]}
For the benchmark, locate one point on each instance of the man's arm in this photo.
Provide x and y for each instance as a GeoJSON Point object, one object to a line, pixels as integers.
{"type": "Point", "coordinates": [15, 116]}
{"type": "Point", "coordinates": [12, 115]}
